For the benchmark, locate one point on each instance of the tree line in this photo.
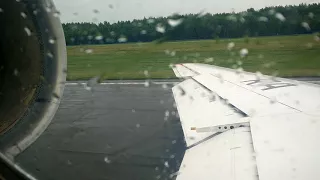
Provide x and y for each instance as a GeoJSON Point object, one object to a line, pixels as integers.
{"type": "Point", "coordinates": [269, 21]}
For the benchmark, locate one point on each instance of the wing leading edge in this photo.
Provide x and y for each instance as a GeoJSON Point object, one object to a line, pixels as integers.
{"type": "Point", "coordinates": [268, 125]}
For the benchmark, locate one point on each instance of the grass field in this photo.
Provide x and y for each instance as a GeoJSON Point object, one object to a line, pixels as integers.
{"type": "Point", "coordinates": [278, 55]}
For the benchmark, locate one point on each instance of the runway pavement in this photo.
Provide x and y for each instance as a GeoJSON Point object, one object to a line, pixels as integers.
{"type": "Point", "coordinates": [117, 130]}
{"type": "Point", "coordinates": [113, 131]}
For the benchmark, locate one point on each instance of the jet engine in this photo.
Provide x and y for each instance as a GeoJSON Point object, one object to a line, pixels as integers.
{"type": "Point", "coordinates": [32, 72]}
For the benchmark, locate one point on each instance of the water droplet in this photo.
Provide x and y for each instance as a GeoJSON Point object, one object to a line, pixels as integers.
{"type": "Point", "coordinates": [209, 60]}
{"type": "Point", "coordinates": [23, 15]}
{"type": "Point", "coordinates": [272, 11]}
{"type": "Point", "coordinates": [138, 125]}
{"type": "Point", "coordinates": [239, 63]}
{"type": "Point", "coordinates": [110, 6]}
{"type": "Point", "coordinates": [239, 70]}
{"type": "Point", "coordinates": [173, 53]}
{"type": "Point", "coordinates": [99, 38]}
{"type": "Point", "coordinates": [174, 142]}
{"type": "Point", "coordinates": [311, 15]}
{"type": "Point", "coordinates": [156, 168]}
{"type": "Point", "coordinates": [96, 11]}
{"type": "Point", "coordinates": [263, 19]}
{"type": "Point", "coordinates": [146, 73]}
{"type": "Point", "coordinates": [242, 20]}
{"type": "Point", "coordinates": [146, 83]}
{"type": "Point", "coordinates": [232, 18]}
{"type": "Point", "coordinates": [133, 110]}
{"type": "Point", "coordinates": [161, 102]}
{"type": "Point", "coordinates": [258, 75]}
{"type": "Point", "coordinates": [280, 17]}
{"type": "Point", "coordinates": [88, 51]}
{"type": "Point", "coordinates": [306, 26]}
{"type": "Point", "coordinates": [201, 13]}
{"type": "Point", "coordinates": [112, 33]}
{"type": "Point", "coordinates": [244, 52]}
{"type": "Point", "coordinates": [16, 72]}
{"type": "Point", "coordinates": [173, 113]}
{"type": "Point", "coordinates": [164, 86]}
{"type": "Point", "coordinates": [182, 91]}
{"type": "Point", "coordinates": [158, 177]}
{"type": "Point", "coordinates": [75, 14]}
{"type": "Point", "coordinates": [175, 22]}
{"type": "Point", "coordinates": [143, 32]}
{"type": "Point", "coordinates": [69, 162]}
{"type": "Point", "coordinates": [171, 65]}
{"type": "Point", "coordinates": [309, 45]}
{"type": "Point", "coordinates": [48, 9]}
{"type": "Point", "coordinates": [166, 164]}
{"type": "Point", "coordinates": [1, 10]}
{"type": "Point", "coordinates": [150, 21]}
{"type": "Point", "coordinates": [51, 41]}
{"type": "Point", "coordinates": [27, 30]}
{"type": "Point", "coordinates": [57, 14]}
{"type": "Point", "coordinates": [273, 100]}
{"type": "Point", "coordinates": [160, 28]}
{"type": "Point", "coordinates": [230, 46]}
{"type": "Point", "coordinates": [122, 39]}
{"type": "Point", "coordinates": [172, 156]}
{"type": "Point", "coordinates": [107, 160]}
{"type": "Point", "coordinates": [166, 113]}
{"type": "Point", "coordinates": [49, 54]}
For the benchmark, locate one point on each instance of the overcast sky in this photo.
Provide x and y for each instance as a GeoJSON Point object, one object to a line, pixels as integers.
{"type": "Point", "coordinates": [115, 10]}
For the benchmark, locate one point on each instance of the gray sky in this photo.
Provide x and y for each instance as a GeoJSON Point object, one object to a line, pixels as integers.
{"type": "Point", "coordinates": [137, 9]}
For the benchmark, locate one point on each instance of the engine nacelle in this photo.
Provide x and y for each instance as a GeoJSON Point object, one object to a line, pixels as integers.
{"type": "Point", "coordinates": [32, 71]}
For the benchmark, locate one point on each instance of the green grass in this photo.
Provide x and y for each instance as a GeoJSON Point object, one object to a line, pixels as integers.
{"type": "Point", "coordinates": [281, 55]}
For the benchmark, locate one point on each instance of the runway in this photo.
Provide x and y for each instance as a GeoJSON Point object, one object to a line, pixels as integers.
{"type": "Point", "coordinates": [116, 130]}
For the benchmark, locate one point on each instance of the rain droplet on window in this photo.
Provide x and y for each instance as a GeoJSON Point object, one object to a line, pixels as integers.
{"type": "Point", "coordinates": [158, 177]}
{"type": "Point", "coordinates": [88, 51]}
{"type": "Point", "coordinates": [171, 65]}
{"type": "Point", "coordinates": [156, 168]}
{"type": "Point", "coordinates": [49, 54]}
{"type": "Point", "coordinates": [232, 18]}
{"type": "Point", "coordinates": [161, 101]}
{"type": "Point", "coordinates": [175, 22]}
{"type": "Point", "coordinates": [311, 15]}
{"type": "Point", "coordinates": [258, 75]}
{"type": "Point", "coordinates": [56, 14]}
{"type": "Point", "coordinates": [263, 19]}
{"type": "Point", "coordinates": [138, 125]}
{"type": "Point", "coordinates": [173, 53]}
{"type": "Point", "coordinates": [110, 6]}
{"type": "Point", "coordinates": [146, 73]}
{"type": "Point", "coordinates": [143, 32]}
{"type": "Point", "coordinates": [51, 41]}
{"type": "Point", "coordinates": [16, 72]}
{"type": "Point", "coordinates": [230, 46]}
{"type": "Point", "coordinates": [239, 63]}
{"type": "Point", "coordinates": [209, 60]}
{"type": "Point", "coordinates": [317, 38]}
{"type": "Point", "coordinates": [75, 14]}
{"type": "Point", "coordinates": [160, 28]}
{"type": "Point", "coordinates": [166, 113]}
{"type": "Point", "coordinates": [306, 26]}
{"type": "Point", "coordinates": [309, 45]}
{"type": "Point", "coordinates": [273, 100]}
{"type": "Point", "coordinates": [174, 142]}
{"type": "Point", "coordinates": [133, 110]}
{"type": "Point", "coordinates": [146, 83]}
{"type": "Point", "coordinates": [150, 21]}
{"type": "Point", "coordinates": [107, 160]}
{"type": "Point", "coordinates": [239, 70]}
{"type": "Point", "coordinates": [23, 15]}
{"type": "Point", "coordinates": [96, 11]}
{"type": "Point", "coordinates": [166, 164]}
{"type": "Point", "coordinates": [1, 10]}
{"type": "Point", "coordinates": [98, 38]}
{"type": "Point", "coordinates": [122, 39]}
{"type": "Point", "coordinates": [27, 30]}
{"type": "Point", "coordinates": [280, 17]}
{"type": "Point", "coordinates": [172, 156]}
{"type": "Point", "coordinates": [164, 86]}
{"type": "Point", "coordinates": [48, 9]}
{"type": "Point", "coordinates": [244, 52]}
{"type": "Point", "coordinates": [242, 20]}
{"type": "Point", "coordinates": [272, 11]}
{"type": "Point", "coordinates": [69, 162]}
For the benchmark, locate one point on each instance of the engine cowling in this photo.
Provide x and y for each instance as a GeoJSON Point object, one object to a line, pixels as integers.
{"type": "Point", "coordinates": [32, 71]}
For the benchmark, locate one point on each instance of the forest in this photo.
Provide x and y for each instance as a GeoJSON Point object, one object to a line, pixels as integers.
{"type": "Point", "coordinates": [269, 21]}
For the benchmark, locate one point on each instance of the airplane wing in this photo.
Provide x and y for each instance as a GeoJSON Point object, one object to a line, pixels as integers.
{"type": "Point", "coordinates": [240, 125]}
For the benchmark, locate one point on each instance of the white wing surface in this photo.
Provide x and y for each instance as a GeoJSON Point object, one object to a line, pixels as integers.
{"type": "Point", "coordinates": [240, 125]}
